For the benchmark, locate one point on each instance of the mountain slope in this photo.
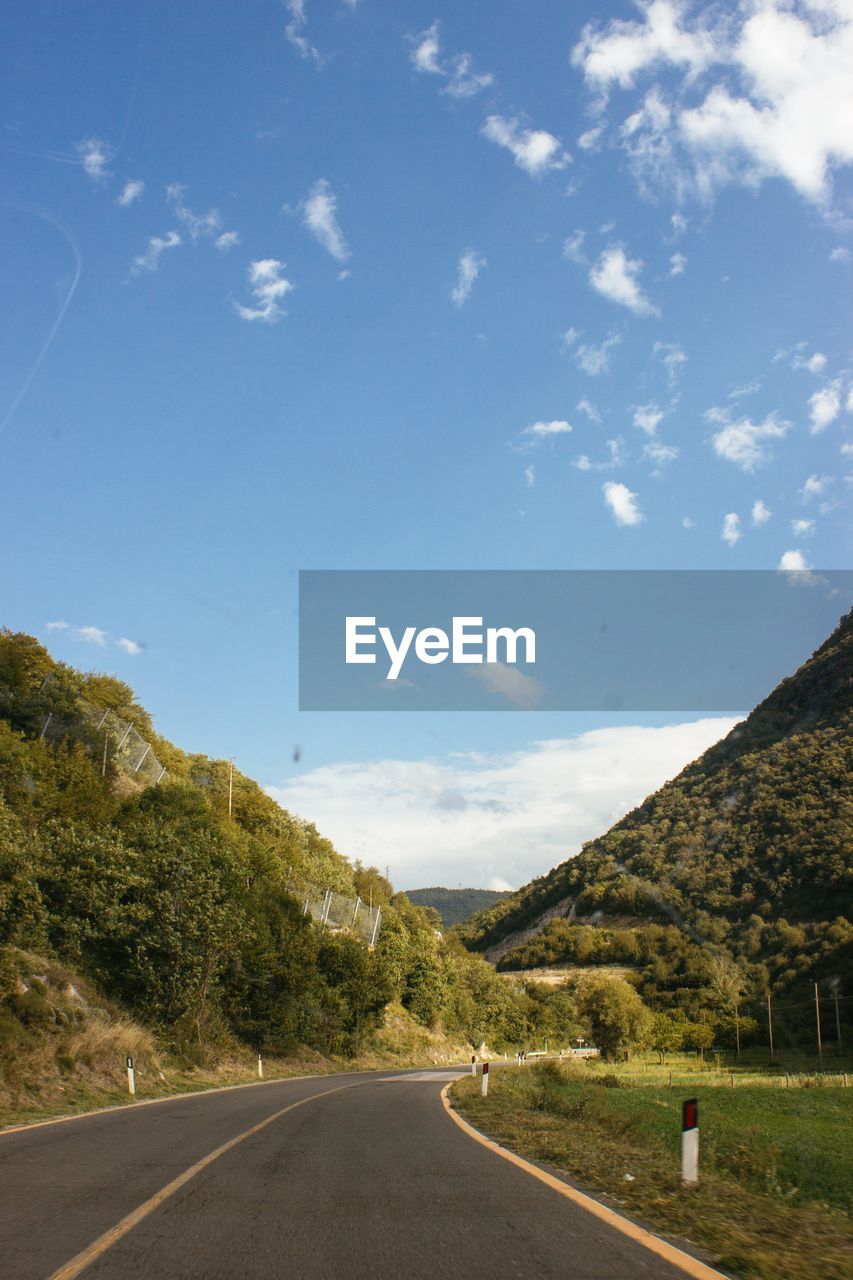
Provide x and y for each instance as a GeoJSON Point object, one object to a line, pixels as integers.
{"type": "Point", "coordinates": [754, 836]}
{"type": "Point", "coordinates": [455, 905]}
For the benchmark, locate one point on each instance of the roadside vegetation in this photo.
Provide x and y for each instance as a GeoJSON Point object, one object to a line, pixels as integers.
{"type": "Point", "coordinates": [776, 1163]}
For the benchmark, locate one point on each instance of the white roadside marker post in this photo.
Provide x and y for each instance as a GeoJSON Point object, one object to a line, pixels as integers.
{"type": "Point", "coordinates": [690, 1142]}
{"type": "Point", "coordinates": [260, 1067]}
{"type": "Point", "coordinates": [473, 1064]}
{"type": "Point", "coordinates": [484, 1082]}
{"type": "Point", "coordinates": [131, 1080]}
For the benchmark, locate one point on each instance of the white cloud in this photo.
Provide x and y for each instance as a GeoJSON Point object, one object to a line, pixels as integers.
{"type": "Point", "coordinates": [508, 682]}
{"type": "Point", "coordinates": [678, 222]}
{"type": "Point", "coordinates": [157, 246]}
{"type": "Point", "coordinates": [815, 487]}
{"type": "Point", "coordinates": [672, 357]}
{"type": "Point", "coordinates": [824, 407]}
{"type": "Point", "coordinates": [745, 443]}
{"type": "Point", "coordinates": [91, 635]}
{"type": "Point", "coordinates": [295, 32]}
{"type": "Point", "coordinates": [815, 363]}
{"type": "Point", "coordinates": [573, 247]}
{"type": "Point", "coordinates": [57, 626]}
{"type": "Point", "coordinates": [677, 264]}
{"type": "Point", "coordinates": [569, 338]}
{"type": "Point", "coordinates": [530, 476]}
{"type": "Point", "coordinates": [615, 276]}
{"type": "Point", "coordinates": [780, 104]}
{"type": "Point", "coordinates": [745, 389]}
{"type": "Point", "coordinates": [840, 254]}
{"type": "Point", "coordinates": [660, 454]}
{"type": "Point", "coordinates": [847, 451]}
{"type": "Point", "coordinates": [94, 155]}
{"type": "Point", "coordinates": [596, 360]}
{"type": "Point", "coordinates": [589, 140]}
{"type": "Point", "coordinates": [761, 513]}
{"type": "Point", "coordinates": [470, 264]}
{"type": "Point", "coordinates": [622, 503]}
{"type": "Point", "coordinates": [802, 528]}
{"type": "Point", "coordinates": [647, 417]}
{"type": "Point", "coordinates": [615, 458]}
{"type": "Point", "coordinates": [129, 646]}
{"type": "Point", "coordinates": [731, 531]}
{"type": "Point", "coordinates": [319, 215]}
{"type": "Point", "coordinates": [587, 407]}
{"type": "Point", "coordinates": [495, 817]}
{"type": "Point", "coordinates": [545, 430]}
{"type": "Point", "coordinates": [793, 562]}
{"type": "Point", "coordinates": [534, 150]}
{"type": "Point", "coordinates": [130, 192]}
{"type": "Point", "coordinates": [199, 225]}
{"type": "Point", "coordinates": [268, 287]}
{"type": "Point", "coordinates": [687, 522]}
{"type": "Point", "coordinates": [226, 241]}
{"type": "Point", "coordinates": [461, 81]}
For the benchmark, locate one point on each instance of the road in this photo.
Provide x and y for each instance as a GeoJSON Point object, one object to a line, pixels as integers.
{"type": "Point", "coordinates": [350, 1176]}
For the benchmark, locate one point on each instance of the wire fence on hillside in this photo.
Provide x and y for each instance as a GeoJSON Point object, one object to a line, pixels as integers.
{"type": "Point", "coordinates": [118, 742]}
{"type": "Point", "coordinates": [342, 914]}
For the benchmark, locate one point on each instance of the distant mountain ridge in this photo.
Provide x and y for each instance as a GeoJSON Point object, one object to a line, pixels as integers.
{"type": "Point", "coordinates": [456, 905]}
{"type": "Point", "coordinates": [747, 849]}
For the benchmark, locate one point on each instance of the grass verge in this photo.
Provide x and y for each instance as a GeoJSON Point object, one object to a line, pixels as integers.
{"type": "Point", "coordinates": [775, 1177]}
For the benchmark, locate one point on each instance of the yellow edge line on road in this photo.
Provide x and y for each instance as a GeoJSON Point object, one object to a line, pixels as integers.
{"type": "Point", "coordinates": [98, 1247]}
{"type": "Point", "coordinates": [689, 1265]}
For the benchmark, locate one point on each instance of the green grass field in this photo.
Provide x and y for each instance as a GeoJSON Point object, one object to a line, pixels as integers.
{"type": "Point", "coordinates": [776, 1163]}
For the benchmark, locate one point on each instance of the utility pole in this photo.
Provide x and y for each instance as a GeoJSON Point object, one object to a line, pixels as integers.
{"type": "Point", "coordinates": [770, 1021]}
{"type": "Point", "coordinates": [817, 1014]}
{"type": "Point", "coordinates": [230, 783]}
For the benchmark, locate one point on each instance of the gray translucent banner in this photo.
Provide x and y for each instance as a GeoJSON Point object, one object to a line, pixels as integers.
{"type": "Point", "coordinates": [555, 640]}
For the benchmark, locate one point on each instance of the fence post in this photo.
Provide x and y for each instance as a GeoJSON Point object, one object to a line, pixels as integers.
{"type": "Point", "coordinates": [131, 1079]}
{"type": "Point", "coordinates": [690, 1142]}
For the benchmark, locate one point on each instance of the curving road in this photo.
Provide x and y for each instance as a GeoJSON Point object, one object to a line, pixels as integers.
{"type": "Point", "coordinates": [349, 1176]}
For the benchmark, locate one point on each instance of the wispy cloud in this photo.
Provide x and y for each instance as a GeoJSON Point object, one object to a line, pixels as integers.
{"type": "Point", "coordinates": [731, 531]}
{"type": "Point", "coordinates": [319, 215]}
{"type": "Point", "coordinates": [268, 286]}
{"type": "Point", "coordinates": [91, 635]}
{"type": "Point", "coordinates": [746, 443]}
{"type": "Point", "coordinates": [461, 81]}
{"type": "Point", "coordinates": [672, 357]}
{"type": "Point", "coordinates": [660, 454]}
{"type": "Point", "coordinates": [802, 528]}
{"type": "Point", "coordinates": [57, 626]}
{"type": "Point", "coordinates": [508, 682]}
{"type": "Point", "coordinates": [157, 246]}
{"type": "Point", "coordinates": [130, 192]}
{"type": "Point", "coordinates": [530, 476]}
{"type": "Point", "coordinates": [226, 241]}
{"type": "Point", "coordinates": [595, 360]}
{"type": "Point", "coordinates": [677, 264]}
{"type": "Point", "coordinates": [133, 647]}
{"type": "Point", "coordinates": [573, 247]}
{"type": "Point", "coordinates": [198, 225]}
{"type": "Point", "coordinates": [647, 417]}
{"type": "Point", "coordinates": [95, 155]}
{"type": "Point", "coordinates": [616, 276]}
{"type": "Point", "coordinates": [534, 150]}
{"type": "Point", "coordinates": [547, 430]}
{"type": "Point", "coordinates": [615, 458]}
{"type": "Point", "coordinates": [623, 504]}
{"type": "Point", "coordinates": [470, 264]}
{"type": "Point", "coordinates": [295, 32]}
{"type": "Point", "coordinates": [587, 407]}
{"type": "Point", "coordinates": [825, 406]}
{"type": "Point", "coordinates": [749, 93]}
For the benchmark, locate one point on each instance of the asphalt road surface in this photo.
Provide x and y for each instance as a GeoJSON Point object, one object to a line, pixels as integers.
{"type": "Point", "coordinates": [342, 1176]}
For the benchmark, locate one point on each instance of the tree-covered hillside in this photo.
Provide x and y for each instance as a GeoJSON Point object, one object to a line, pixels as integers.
{"type": "Point", "coordinates": [191, 916]}
{"type": "Point", "coordinates": [744, 856]}
{"type": "Point", "coordinates": [455, 905]}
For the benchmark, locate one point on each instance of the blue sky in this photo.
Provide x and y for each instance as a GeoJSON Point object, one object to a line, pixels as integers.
{"type": "Point", "coordinates": [368, 285]}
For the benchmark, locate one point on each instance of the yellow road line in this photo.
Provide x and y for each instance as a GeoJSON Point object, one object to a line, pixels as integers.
{"type": "Point", "coordinates": [98, 1247]}
{"type": "Point", "coordinates": [690, 1266]}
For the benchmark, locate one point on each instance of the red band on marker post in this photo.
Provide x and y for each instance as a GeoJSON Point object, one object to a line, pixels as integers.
{"type": "Point", "coordinates": [690, 1114]}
